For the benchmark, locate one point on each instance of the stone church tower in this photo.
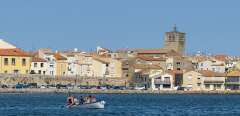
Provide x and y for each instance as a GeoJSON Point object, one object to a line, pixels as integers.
{"type": "Point", "coordinates": [175, 40]}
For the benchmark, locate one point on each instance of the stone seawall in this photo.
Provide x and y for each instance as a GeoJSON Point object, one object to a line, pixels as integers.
{"type": "Point", "coordinates": [112, 91]}
{"type": "Point", "coordinates": [74, 80]}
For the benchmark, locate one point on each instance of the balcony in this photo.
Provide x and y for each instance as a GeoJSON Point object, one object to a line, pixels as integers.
{"type": "Point", "coordinates": [213, 80]}
{"type": "Point", "coordinates": [162, 82]}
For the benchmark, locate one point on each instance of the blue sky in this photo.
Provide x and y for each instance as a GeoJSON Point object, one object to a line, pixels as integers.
{"type": "Point", "coordinates": [211, 25]}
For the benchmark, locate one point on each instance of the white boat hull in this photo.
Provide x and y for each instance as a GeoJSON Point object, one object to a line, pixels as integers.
{"type": "Point", "coordinates": [96, 105]}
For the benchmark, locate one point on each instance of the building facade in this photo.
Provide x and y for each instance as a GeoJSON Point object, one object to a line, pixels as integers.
{"type": "Point", "coordinates": [61, 65]}
{"type": "Point", "coordinates": [38, 66]}
{"type": "Point", "coordinates": [175, 40]}
{"type": "Point", "coordinates": [192, 80]}
{"type": "Point", "coordinates": [14, 61]}
{"type": "Point", "coordinates": [212, 65]}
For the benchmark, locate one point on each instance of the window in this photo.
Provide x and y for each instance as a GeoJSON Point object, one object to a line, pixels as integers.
{"type": "Point", "coordinates": [24, 62]}
{"type": "Point", "coordinates": [13, 61]}
{"type": "Point", "coordinates": [201, 64]}
{"type": "Point", "coordinates": [35, 64]}
{"type": "Point", "coordinates": [218, 86]}
{"type": "Point", "coordinates": [44, 72]}
{"type": "Point", "coordinates": [48, 59]}
{"type": "Point", "coordinates": [178, 69]}
{"type": "Point", "coordinates": [15, 71]}
{"type": "Point", "coordinates": [42, 65]}
{"type": "Point", "coordinates": [51, 66]}
{"type": "Point", "coordinates": [5, 61]}
{"type": "Point", "coordinates": [51, 72]}
{"type": "Point", "coordinates": [213, 69]}
{"type": "Point", "coordinates": [207, 86]}
{"type": "Point", "coordinates": [5, 71]}
{"type": "Point", "coordinates": [198, 84]}
{"type": "Point", "coordinates": [39, 71]}
{"type": "Point", "coordinates": [26, 71]}
{"type": "Point", "coordinates": [178, 64]}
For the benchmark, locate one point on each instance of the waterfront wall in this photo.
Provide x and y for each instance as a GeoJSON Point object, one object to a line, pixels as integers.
{"type": "Point", "coordinates": [97, 91]}
{"type": "Point", "coordinates": [12, 79]}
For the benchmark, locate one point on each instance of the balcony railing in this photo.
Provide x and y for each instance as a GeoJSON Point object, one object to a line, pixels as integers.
{"type": "Point", "coordinates": [161, 82]}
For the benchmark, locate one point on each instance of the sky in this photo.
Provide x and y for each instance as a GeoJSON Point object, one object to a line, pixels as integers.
{"type": "Point", "coordinates": [211, 26]}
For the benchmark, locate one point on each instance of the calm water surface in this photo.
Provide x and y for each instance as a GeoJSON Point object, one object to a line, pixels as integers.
{"type": "Point", "coordinates": [122, 105]}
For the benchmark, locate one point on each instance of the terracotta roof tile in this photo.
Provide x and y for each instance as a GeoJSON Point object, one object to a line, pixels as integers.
{"type": "Point", "coordinates": [146, 58]}
{"type": "Point", "coordinates": [35, 59]}
{"type": "Point", "coordinates": [58, 56]}
{"type": "Point", "coordinates": [146, 66]}
{"type": "Point", "coordinates": [221, 57]}
{"type": "Point", "coordinates": [208, 73]}
{"type": "Point", "coordinates": [153, 51]}
{"type": "Point", "coordinates": [13, 52]}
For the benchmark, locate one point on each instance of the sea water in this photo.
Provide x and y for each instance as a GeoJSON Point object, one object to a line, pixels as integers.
{"type": "Point", "coordinates": [122, 105]}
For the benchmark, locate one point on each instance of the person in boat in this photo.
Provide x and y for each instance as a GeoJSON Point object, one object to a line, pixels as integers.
{"type": "Point", "coordinates": [75, 101]}
{"type": "Point", "coordinates": [70, 100]}
{"type": "Point", "coordinates": [94, 99]}
{"type": "Point", "coordinates": [81, 100]}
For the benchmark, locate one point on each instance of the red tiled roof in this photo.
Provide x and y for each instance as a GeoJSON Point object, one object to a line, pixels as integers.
{"type": "Point", "coordinates": [159, 51]}
{"type": "Point", "coordinates": [221, 57]}
{"type": "Point", "coordinates": [146, 66]}
{"type": "Point", "coordinates": [174, 71]}
{"type": "Point", "coordinates": [153, 51]}
{"type": "Point", "coordinates": [13, 52]}
{"type": "Point", "coordinates": [35, 59]}
{"type": "Point", "coordinates": [152, 58]}
{"type": "Point", "coordinates": [209, 73]}
{"type": "Point", "coordinates": [58, 56]}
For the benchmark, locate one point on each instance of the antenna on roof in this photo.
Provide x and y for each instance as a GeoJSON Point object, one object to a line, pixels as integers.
{"type": "Point", "coordinates": [175, 28]}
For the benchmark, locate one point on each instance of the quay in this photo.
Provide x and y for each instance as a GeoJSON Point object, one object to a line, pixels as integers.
{"type": "Point", "coordinates": [97, 91]}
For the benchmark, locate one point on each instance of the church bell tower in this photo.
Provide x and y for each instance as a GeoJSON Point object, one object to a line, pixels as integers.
{"type": "Point", "coordinates": [175, 40]}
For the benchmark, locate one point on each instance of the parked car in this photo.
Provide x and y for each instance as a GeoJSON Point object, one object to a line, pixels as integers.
{"type": "Point", "coordinates": [119, 87]}
{"type": "Point", "coordinates": [20, 86]}
{"type": "Point", "coordinates": [4, 86]}
{"type": "Point", "coordinates": [69, 86]}
{"type": "Point", "coordinates": [60, 86]}
{"type": "Point", "coordinates": [179, 88]}
{"type": "Point", "coordinates": [51, 86]}
{"type": "Point", "coordinates": [139, 88]}
{"type": "Point", "coordinates": [43, 87]}
{"type": "Point", "coordinates": [83, 87]}
{"type": "Point", "coordinates": [31, 85]}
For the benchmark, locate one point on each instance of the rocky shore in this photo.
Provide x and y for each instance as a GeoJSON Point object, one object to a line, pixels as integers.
{"type": "Point", "coordinates": [87, 91]}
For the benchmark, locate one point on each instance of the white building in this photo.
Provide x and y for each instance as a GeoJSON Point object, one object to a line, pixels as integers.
{"type": "Point", "coordinates": [212, 65]}
{"type": "Point", "coordinates": [51, 63]}
{"type": "Point", "coordinates": [38, 66]}
{"type": "Point", "coordinates": [162, 82]}
{"type": "Point", "coordinates": [73, 66]}
{"type": "Point", "coordinates": [212, 80]}
{"type": "Point", "coordinates": [85, 62]}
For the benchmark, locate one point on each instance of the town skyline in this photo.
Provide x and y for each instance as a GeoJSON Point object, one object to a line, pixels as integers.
{"type": "Point", "coordinates": [127, 25]}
